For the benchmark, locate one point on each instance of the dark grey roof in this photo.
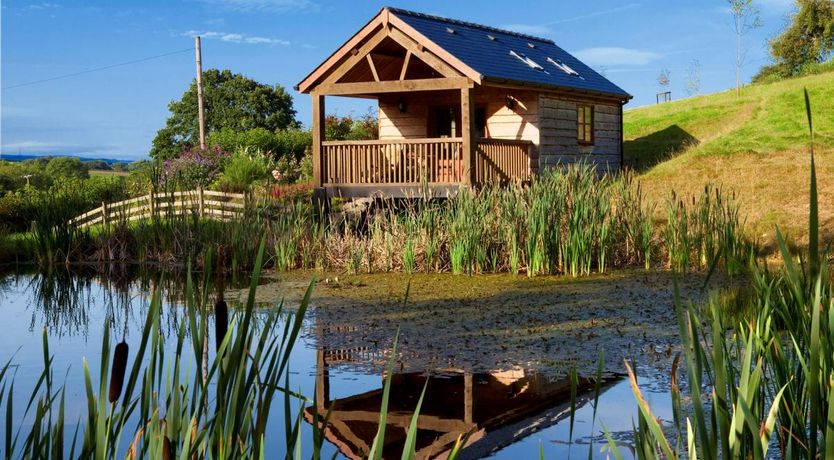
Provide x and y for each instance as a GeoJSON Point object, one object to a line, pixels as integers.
{"type": "Point", "coordinates": [499, 55]}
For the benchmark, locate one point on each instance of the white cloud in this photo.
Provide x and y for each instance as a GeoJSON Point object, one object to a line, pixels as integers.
{"type": "Point", "coordinates": [47, 147]}
{"type": "Point", "coordinates": [271, 6]}
{"type": "Point", "coordinates": [530, 29]}
{"type": "Point", "coordinates": [612, 55]}
{"type": "Point", "coordinates": [43, 6]}
{"type": "Point", "coordinates": [232, 37]}
{"type": "Point", "coordinates": [547, 27]}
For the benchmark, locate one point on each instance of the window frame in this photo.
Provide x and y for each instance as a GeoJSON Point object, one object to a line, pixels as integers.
{"type": "Point", "coordinates": [585, 109]}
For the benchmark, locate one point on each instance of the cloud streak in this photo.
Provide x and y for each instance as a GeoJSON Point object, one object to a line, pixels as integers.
{"type": "Point", "coordinates": [232, 37]}
{"type": "Point", "coordinates": [547, 27]}
{"type": "Point", "coordinates": [612, 55]}
{"type": "Point", "coordinates": [264, 6]}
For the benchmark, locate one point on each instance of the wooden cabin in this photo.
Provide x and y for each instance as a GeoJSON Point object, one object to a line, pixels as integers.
{"type": "Point", "coordinates": [460, 104]}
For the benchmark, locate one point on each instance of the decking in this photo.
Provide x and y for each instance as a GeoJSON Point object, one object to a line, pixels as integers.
{"type": "Point", "coordinates": [407, 166]}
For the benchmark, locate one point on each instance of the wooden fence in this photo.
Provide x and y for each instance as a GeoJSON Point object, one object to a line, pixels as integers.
{"type": "Point", "coordinates": [203, 203]}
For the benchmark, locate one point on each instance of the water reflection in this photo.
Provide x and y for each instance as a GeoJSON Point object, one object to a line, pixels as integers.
{"type": "Point", "coordinates": [491, 410]}
{"type": "Point", "coordinates": [509, 411]}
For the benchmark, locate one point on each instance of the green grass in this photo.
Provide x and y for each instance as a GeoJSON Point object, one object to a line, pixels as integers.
{"type": "Point", "coordinates": [765, 118]}
{"type": "Point", "coordinates": [754, 144]}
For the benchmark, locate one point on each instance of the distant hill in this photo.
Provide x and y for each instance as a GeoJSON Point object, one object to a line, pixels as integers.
{"type": "Point", "coordinates": [23, 157]}
{"type": "Point", "coordinates": [755, 144]}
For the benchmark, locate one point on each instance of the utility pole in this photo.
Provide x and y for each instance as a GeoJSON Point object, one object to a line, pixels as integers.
{"type": "Point", "coordinates": [201, 113]}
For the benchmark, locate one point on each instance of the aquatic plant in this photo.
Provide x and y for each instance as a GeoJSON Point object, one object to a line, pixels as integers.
{"type": "Point", "coordinates": [167, 405]}
{"type": "Point", "coordinates": [763, 382]}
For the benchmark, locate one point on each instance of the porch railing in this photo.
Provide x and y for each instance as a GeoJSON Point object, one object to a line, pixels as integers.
{"type": "Point", "coordinates": [412, 161]}
{"type": "Point", "coordinates": [406, 161]}
{"type": "Point", "coordinates": [502, 161]}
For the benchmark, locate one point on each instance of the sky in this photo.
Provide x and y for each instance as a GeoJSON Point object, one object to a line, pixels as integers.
{"type": "Point", "coordinates": [115, 112]}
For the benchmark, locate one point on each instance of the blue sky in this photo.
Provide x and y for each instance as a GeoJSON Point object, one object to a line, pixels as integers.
{"type": "Point", "coordinates": [115, 113]}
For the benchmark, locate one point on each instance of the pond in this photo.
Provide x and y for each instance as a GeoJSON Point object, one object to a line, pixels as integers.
{"type": "Point", "coordinates": [496, 351]}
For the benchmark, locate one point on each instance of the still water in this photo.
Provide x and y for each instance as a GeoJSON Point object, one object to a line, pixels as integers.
{"type": "Point", "coordinates": [513, 410]}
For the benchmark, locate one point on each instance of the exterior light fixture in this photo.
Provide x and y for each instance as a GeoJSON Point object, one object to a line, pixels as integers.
{"type": "Point", "coordinates": [510, 102]}
{"type": "Point", "coordinates": [401, 106]}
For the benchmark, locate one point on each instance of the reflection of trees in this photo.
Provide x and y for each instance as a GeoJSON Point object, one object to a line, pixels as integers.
{"type": "Point", "coordinates": [66, 300]}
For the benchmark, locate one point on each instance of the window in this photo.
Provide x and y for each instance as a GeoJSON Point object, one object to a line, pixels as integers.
{"type": "Point", "coordinates": [521, 57]}
{"type": "Point", "coordinates": [585, 123]}
{"type": "Point", "coordinates": [480, 123]}
{"type": "Point", "coordinates": [563, 67]}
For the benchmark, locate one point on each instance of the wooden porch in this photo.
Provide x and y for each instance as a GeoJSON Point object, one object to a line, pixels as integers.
{"type": "Point", "coordinates": [407, 167]}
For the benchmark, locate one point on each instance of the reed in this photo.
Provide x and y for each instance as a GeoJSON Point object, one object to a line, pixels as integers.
{"type": "Point", "coordinates": [761, 384]}
{"type": "Point", "coordinates": [162, 405]}
{"type": "Point", "coordinates": [569, 220]}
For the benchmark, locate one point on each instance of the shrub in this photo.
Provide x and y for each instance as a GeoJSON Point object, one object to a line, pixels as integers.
{"type": "Point", "coordinates": [242, 169]}
{"type": "Point", "coordinates": [289, 143]}
{"type": "Point", "coordinates": [192, 169]}
{"type": "Point", "coordinates": [66, 167]}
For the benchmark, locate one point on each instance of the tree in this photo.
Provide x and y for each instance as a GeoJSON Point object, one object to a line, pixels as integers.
{"type": "Point", "coordinates": [338, 128]}
{"type": "Point", "coordinates": [745, 18]}
{"type": "Point", "coordinates": [693, 78]}
{"type": "Point", "coordinates": [809, 37]}
{"type": "Point", "coordinates": [66, 167]}
{"type": "Point", "coordinates": [664, 79]}
{"type": "Point", "coordinates": [232, 101]}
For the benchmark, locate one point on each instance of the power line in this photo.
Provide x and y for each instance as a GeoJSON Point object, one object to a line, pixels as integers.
{"type": "Point", "coordinates": [75, 74]}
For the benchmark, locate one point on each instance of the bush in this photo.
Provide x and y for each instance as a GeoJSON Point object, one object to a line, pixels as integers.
{"type": "Point", "coordinates": [192, 169]}
{"type": "Point", "coordinates": [66, 167]}
{"type": "Point", "coordinates": [242, 169]}
{"type": "Point", "coordinates": [290, 143]}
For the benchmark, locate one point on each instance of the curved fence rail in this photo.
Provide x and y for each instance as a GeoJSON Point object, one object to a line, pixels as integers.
{"type": "Point", "coordinates": [203, 203]}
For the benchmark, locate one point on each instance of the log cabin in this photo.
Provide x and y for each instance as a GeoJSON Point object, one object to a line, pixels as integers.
{"type": "Point", "coordinates": [459, 105]}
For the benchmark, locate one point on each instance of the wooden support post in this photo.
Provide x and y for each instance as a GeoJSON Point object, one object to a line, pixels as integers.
{"type": "Point", "coordinates": [200, 108]}
{"type": "Point", "coordinates": [318, 137]}
{"type": "Point", "coordinates": [151, 213]}
{"type": "Point", "coordinates": [468, 400]}
{"type": "Point", "coordinates": [202, 202]}
{"type": "Point", "coordinates": [405, 65]}
{"type": "Point", "coordinates": [467, 117]}
{"type": "Point", "coordinates": [104, 213]}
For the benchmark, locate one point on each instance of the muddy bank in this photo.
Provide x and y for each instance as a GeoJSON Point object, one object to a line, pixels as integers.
{"type": "Point", "coordinates": [492, 322]}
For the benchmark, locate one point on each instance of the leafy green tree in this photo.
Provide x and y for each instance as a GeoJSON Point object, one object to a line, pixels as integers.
{"type": "Point", "coordinates": [284, 143]}
{"type": "Point", "coordinates": [338, 128]}
{"type": "Point", "coordinates": [232, 101]}
{"type": "Point", "coordinates": [66, 168]}
{"type": "Point", "coordinates": [809, 38]}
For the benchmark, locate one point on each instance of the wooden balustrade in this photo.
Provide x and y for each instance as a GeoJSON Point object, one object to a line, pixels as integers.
{"type": "Point", "coordinates": [502, 161]}
{"type": "Point", "coordinates": [415, 161]}
{"type": "Point", "coordinates": [406, 162]}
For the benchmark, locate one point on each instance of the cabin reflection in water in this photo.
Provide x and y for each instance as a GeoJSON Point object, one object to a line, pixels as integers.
{"type": "Point", "coordinates": [495, 409]}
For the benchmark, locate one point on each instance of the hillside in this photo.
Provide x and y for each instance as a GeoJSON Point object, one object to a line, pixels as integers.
{"type": "Point", "coordinates": [755, 144]}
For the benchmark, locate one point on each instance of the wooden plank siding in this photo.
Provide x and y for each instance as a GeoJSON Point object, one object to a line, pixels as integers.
{"type": "Point", "coordinates": [558, 129]}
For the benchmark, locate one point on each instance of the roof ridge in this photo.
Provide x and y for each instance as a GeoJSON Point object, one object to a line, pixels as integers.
{"type": "Point", "coordinates": [466, 23]}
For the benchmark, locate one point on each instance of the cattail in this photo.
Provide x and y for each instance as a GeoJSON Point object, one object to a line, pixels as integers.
{"type": "Point", "coordinates": [117, 376]}
{"type": "Point", "coordinates": [221, 322]}
{"type": "Point", "coordinates": [166, 448]}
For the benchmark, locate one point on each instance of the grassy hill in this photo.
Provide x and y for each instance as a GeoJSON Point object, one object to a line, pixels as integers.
{"type": "Point", "coordinates": [755, 144]}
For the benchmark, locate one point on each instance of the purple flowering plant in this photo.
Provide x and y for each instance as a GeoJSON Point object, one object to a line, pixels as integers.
{"type": "Point", "coordinates": [194, 168]}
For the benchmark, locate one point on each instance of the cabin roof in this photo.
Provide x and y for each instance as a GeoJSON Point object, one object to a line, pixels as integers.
{"type": "Point", "coordinates": [485, 54]}
{"type": "Point", "coordinates": [500, 55]}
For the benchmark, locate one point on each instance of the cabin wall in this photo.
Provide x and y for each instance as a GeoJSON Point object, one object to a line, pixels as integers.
{"type": "Point", "coordinates": [520, 122]}
{"type": "Point", "coordinates": [558, 126]}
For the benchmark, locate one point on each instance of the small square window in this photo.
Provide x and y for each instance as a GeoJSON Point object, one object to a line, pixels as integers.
{"type": "Point", "coordinates": [585, 124]}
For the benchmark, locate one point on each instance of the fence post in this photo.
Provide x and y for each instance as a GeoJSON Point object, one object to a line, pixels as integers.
{"type": "Point", "coordinates": [151, 213]}
{"type": "Point", "coordinates": [104, 213]}
{"type": "Point", "coordinates": [202, 202]}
